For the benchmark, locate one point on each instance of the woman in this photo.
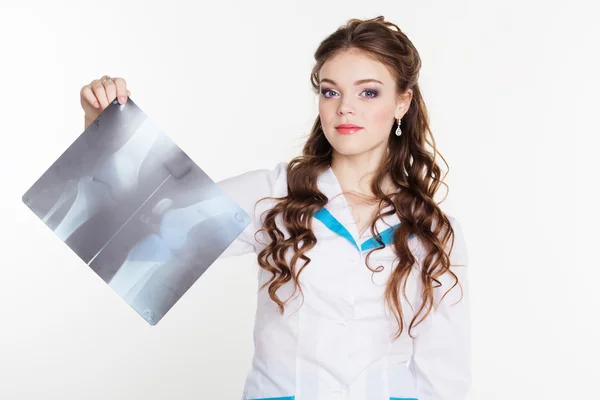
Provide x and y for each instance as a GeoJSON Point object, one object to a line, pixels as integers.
{"type": "Point", "coordinates": [364, 276]}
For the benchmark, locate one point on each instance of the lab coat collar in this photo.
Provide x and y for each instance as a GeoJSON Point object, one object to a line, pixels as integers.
{"type": "Point", "coordinates": [337, 215]}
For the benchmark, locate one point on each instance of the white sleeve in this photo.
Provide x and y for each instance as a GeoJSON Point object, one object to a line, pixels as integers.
{"type": "Point", "coordinates": [441, 360]}
{"type": "Point", "coordinates": [246, 190]}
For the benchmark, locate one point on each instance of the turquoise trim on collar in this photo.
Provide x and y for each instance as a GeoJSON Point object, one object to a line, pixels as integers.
{"type": "Point", "coordinates": [283, 398]}
{"type": "Point", "coordinates": [333, 224]}
{"type": "Point", "coordinates": [336, 226]}
{"type": "Point", "coordinates": [386, 238]}
{"type": "Point", "coordinates": [293, 397]}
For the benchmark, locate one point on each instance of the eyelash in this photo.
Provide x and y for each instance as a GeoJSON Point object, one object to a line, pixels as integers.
{"type": "Point", "coordinates": [376, 93]}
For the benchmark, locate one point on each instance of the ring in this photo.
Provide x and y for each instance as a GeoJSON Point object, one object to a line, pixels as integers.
{"type": "Point", "coordinates": [106, 78]}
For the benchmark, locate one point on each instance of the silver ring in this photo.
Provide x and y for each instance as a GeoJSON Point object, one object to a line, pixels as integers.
{"type": "Point", "coordinates": [106, 78]}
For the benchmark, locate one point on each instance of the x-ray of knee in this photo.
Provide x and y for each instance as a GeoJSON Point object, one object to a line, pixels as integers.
{"type": "Point", "coordinates": [136, 209]}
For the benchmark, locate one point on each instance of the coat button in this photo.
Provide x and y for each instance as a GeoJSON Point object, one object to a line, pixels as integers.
{"type": "Point", "coordinates": [340, 393]}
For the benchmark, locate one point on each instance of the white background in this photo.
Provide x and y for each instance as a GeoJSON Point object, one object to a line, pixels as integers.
{"type": "Point", "coordinates": [513, 94]}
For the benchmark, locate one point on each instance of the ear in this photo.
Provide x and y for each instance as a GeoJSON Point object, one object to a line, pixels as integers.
{"type": "Point", "coordinates": [403, 103]}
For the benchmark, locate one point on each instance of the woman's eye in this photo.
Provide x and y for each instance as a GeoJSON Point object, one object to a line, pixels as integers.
{"type": "Point", "coordinates": [371, 91]}
{"type": "Point", "coordinates": [325, 91]}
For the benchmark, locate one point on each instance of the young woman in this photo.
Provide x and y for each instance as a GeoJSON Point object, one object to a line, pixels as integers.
{"type": "Point", "coordinates": [365, 290]}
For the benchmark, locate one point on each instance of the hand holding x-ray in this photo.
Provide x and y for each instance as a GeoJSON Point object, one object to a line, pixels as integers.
{"type": "Point", "coordinates": [133, 205]}
{"type": "Point", "coordinates": [99, 93]}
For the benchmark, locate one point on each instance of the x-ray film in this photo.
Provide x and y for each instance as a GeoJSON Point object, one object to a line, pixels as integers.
{"type": "Point", "coordinates": [136, 209]}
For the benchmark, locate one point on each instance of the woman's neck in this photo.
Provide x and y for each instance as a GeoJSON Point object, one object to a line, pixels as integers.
{"type": "Point", "coordinates": [355, 173]}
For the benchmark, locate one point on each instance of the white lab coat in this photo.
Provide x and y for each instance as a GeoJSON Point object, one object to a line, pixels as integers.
{"type": "Point", "coordinates": [338, 344]}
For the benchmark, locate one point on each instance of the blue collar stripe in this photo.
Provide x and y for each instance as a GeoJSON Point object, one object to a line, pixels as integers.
{"type": "Point", "coordinates": [334, 225]}
{"type": "Point", "coordinates": [386, 238]}
{"type": "Point", "coordinates": [329, 220]}
{"type": "Point", "coordinates": [278, 398]}
{"type": "Point", "coordinates": [293, 397]}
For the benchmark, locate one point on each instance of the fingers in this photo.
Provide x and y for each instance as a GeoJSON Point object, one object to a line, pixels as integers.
{"type": "Point", "coordinates": [110, 88]}
{"type": "Point", "coordinates": [121, 90]}
{"type": "Point", "coordinates": [88, 95]}
{"type": "Point", "coordinates": [101, 92]}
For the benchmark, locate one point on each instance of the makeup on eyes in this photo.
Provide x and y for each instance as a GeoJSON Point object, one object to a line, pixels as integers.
{"type": "Point", "coordinates": [375, 92]}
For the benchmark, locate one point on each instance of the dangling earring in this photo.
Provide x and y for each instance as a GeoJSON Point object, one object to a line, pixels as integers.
{"type": "Point", "coordinates": [398, 130]}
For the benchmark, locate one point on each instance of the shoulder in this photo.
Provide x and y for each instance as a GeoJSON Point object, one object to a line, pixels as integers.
{"type": "Point", "coordinates": [258, 179]}
{"type": "Point", "coordinates": [456, 247]}
{"type": "Point", "coordinates": [251, 186]}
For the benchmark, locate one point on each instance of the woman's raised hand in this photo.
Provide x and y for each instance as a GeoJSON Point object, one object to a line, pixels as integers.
{"type": "Point", "coordinates": [99, 93]}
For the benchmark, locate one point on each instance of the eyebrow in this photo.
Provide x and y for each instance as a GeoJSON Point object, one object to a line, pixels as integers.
{"type": "Point", "coordinates": [359, 82]}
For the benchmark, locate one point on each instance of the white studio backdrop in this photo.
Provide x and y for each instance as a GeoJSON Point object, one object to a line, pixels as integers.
{"type": "Point", "coordinates": [512, 90]}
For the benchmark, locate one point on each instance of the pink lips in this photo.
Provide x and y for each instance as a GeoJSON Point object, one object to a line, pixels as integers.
{"type": "Point", "coordinates": [347, 129]}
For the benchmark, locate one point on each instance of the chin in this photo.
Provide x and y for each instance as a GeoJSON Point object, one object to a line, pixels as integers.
{"type": "Point", "coordinates": [352, 147]}
{"type": "Point", "coordinates": [348, 149]}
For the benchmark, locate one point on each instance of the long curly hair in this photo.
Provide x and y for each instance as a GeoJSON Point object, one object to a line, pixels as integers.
{"type": "Point", "coordinates": [411, 167]}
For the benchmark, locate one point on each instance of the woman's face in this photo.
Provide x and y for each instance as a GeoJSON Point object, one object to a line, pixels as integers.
{"type": "Point", "coordinates": [356, 89]}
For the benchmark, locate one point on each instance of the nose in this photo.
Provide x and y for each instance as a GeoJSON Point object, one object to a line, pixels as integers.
{"type": "Point", "coordinates": [346, 107]}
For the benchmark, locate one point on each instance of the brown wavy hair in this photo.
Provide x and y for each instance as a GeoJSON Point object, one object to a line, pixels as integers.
{"type": "Point", "coordinates": [411, 167]}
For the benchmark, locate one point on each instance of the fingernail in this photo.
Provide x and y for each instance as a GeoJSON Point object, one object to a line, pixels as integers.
{"type": "Point", "coordinates": [122, 99]}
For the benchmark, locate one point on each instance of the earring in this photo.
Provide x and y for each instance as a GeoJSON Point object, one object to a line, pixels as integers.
{"type": "Point", "coordinates": [398, 130]}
